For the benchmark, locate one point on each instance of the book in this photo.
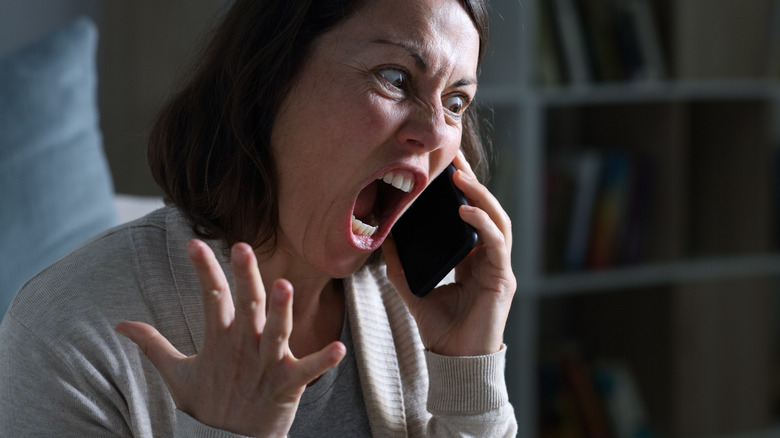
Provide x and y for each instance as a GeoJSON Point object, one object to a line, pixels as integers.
{"type": "Point", "coordinates": [601, 41]}
{"type": "Point", "coordinates": [773, 46]}
{"type": "Point", "coordinates": [648, 41]}
{"type": "Point", "coordinates": [610, 210]}
{"type": "Point", "coordinates": [584, 169]}
{"type": "Point", "coordinates": [559, 194]}
{"type": "Point", "coordinates": [573, 41]}
{"type": "Point", "coordinates": [550, 66]}
{"type": "Point", "coordinates": [578, 377]}
{"type": "Point", "coordinates": [623, 403]}
{"type": "Point", "coordinates": [632, 241]}
{"type": "Point", "coordinates": [624, 28]}
{"type": "Point", "coordinates": [558, 414]}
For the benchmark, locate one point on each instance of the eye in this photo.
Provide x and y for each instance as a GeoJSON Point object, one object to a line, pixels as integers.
{"type": "Point", "coordinates": [455, 104]}
{"type": "Point", "coordinates": [396, 78]}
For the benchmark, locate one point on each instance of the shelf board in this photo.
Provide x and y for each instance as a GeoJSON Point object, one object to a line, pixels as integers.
{"type": "Point", "coordinates": [630, 93]}
{"type": "Point", "coordinates": [512, 95]}
{"type": "Point", "coordinates": [773, 432]}
{"type": "Point", "coordinates": [703, 269]}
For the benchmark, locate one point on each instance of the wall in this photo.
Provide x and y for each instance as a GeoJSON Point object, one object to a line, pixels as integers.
{"type": "Point", "coordinates": [144, 46]}
{"type": "Point", "coordinates": [148, 44]}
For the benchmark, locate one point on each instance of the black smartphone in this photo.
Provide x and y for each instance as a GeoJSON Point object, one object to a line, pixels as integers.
{"type": "Point", "coordinates": [431, 237]}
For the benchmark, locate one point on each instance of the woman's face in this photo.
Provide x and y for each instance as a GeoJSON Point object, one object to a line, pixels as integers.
{"type": "Point", "coordinates": [375, 114]}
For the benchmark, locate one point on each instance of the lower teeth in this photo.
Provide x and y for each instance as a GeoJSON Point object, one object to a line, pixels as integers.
{"type": "Point", "coordinates": [362, 229]}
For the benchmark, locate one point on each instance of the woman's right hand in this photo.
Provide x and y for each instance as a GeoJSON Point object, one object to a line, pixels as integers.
{"type": "Point", "coordinates": [244, 379]}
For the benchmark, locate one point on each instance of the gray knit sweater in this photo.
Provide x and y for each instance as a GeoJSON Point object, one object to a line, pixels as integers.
{"type": "Point", "coordinates": [65, 372]}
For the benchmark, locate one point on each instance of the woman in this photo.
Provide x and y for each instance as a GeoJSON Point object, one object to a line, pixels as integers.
{"type": "Point", "coordinates": [283, 139]}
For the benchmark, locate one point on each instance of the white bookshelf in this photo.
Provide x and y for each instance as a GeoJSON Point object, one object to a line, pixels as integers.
{"type": "Point", "coordinates": [654, 274]}
{"type": "Point", "coordinates": [690, 273]}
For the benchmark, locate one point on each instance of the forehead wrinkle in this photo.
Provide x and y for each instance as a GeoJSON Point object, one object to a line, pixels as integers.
{"type": "Point", "coordinates": [419, 59]}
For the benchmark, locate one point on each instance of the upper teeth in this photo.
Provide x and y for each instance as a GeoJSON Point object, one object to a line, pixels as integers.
{"type": "Point", "coordinates": [399, 179]}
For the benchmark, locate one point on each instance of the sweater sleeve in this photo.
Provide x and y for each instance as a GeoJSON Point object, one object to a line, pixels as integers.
{"type": "Point", "coordinates": [468, 396]}
{"type": "Point", "coordinates": [40, 395]}
{"type": "Point", "coordinates": [43, 394]}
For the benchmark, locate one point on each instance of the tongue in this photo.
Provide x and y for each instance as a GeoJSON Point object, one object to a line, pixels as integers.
{"type": "Point", "coordinates": [365, 201]}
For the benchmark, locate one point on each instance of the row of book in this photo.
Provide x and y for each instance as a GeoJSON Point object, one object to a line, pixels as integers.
{"type": "Point", "coordinates": [590, 399]}
{"type": "Point", "coordinates": [773, 43]}
{"type": "Point", "coordinates": [589, 41]}
{"type": "Point", "coordinates": [598, 206]}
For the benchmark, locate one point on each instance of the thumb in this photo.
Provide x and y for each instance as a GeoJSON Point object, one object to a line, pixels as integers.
{"type": "Point", "coordinates": [163, 355]}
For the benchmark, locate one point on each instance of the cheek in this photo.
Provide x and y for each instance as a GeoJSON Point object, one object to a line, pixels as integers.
{"type": "Point", "coordinates": [452, 143]}
{"type": "Point", "coordinates": [342, 110]}
{"type": "Point", "coordinates": [380, 116]}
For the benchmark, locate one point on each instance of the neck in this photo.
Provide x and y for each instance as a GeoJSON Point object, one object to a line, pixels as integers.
{"type": "Point", "coordinates": [318, 302]}
{"type": "Point", "coordinates": [308, 284]}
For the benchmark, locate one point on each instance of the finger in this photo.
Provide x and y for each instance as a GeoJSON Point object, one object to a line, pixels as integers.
{"type": "Point", "coordinates": [163, 355]}
{"type": "Point", "coordinates": [218, 308]}
{"type": "Point", "coordinates": [250, 294]}
{"type": "Point", "coordinates": [480, 197]}
{"type": "Point", "coordinates": [492, 237]}
{"type": "Point", "coordinates": [276, 334]}
{"type": "Point", "coordinates": [461, 163]}
{"type": "Point", "coordinates": [316, 364]}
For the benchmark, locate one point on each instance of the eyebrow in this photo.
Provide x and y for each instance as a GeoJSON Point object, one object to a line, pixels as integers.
{"type": "Point", "coordinates": [419, 59]}
{"type": "Point", "coordinates": [422, 64]}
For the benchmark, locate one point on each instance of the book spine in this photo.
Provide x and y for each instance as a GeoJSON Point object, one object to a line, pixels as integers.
{"type": "Point", "coordinates": [648, 40]}
{"type": "Point", "coordinates": [627, 41]}
{"type": "Point", "coordinates": [573, 42]}
{"type": "Point", "coordinates": [585, 171]}
{"type": "Point", "coordinates": [609, 213]}
{"type": "Point", "coordinates": [551, 68]}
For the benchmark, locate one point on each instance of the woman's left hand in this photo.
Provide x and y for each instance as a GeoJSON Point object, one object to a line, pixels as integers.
{"type": "Point", "coordinates": [467, 317]}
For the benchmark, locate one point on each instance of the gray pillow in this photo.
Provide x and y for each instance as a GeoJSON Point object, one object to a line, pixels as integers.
{"type": "Point", "coordinates": [55, 186]}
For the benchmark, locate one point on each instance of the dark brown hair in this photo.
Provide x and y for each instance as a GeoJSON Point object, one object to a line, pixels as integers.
{"type": "Point", "coordinates": [209, 149]}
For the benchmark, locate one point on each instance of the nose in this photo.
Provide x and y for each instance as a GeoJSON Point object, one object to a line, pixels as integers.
{"type": "Point", "coordinates": [425, 127]}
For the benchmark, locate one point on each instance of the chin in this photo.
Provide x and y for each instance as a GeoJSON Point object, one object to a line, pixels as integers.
{"type": "Point", "coordinates": [349, 265]}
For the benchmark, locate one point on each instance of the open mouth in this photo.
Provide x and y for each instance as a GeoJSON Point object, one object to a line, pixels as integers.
{"type": "Point", "coordinates": [381, 202]}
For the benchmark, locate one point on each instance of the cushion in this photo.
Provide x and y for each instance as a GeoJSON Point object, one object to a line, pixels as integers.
{"type": "Point", "coordinates": [55, 186]}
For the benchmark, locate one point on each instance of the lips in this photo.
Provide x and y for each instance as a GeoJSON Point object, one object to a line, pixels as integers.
{"type": "Point", "coordinates": [380, 203]}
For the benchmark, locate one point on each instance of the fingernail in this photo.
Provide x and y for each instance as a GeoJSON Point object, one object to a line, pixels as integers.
{"type": "Point", "coordinates": [464, 175]}
{"type": "Point", "coordinates": [124, 331]}
{"type": "Point", "coordinates": [238, 253]}
{"type": "Point", "coordinates": [279, 294]}
{"type": "Point", "coordinates": [338, 353]}
{"type": "Point", "coordinates": [192, 248]}
{"type": "Point", "coordinates": [121, 331]}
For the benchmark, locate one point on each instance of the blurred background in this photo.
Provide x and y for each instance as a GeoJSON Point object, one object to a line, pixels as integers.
{"type": "Point", "coordinates": [636, 145]}
{"type": "Point", "coordinates": [144, 47]}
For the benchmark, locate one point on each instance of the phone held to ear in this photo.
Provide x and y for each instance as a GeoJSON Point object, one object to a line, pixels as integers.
{"type": "Point", "coordinates": [431, 237]}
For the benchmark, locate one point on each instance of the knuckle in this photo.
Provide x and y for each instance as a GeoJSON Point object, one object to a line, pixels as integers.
{"type": "Point", "coordinates": [506, 219]}
{"type": "Point", "coordinates": [246, 304]}
{"type": "Point", "coordinates": [275, 334]}
{"type": "Point", "coordinates": [214, 294]}
{"type": "Point", "coordinates": [148, 345]}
